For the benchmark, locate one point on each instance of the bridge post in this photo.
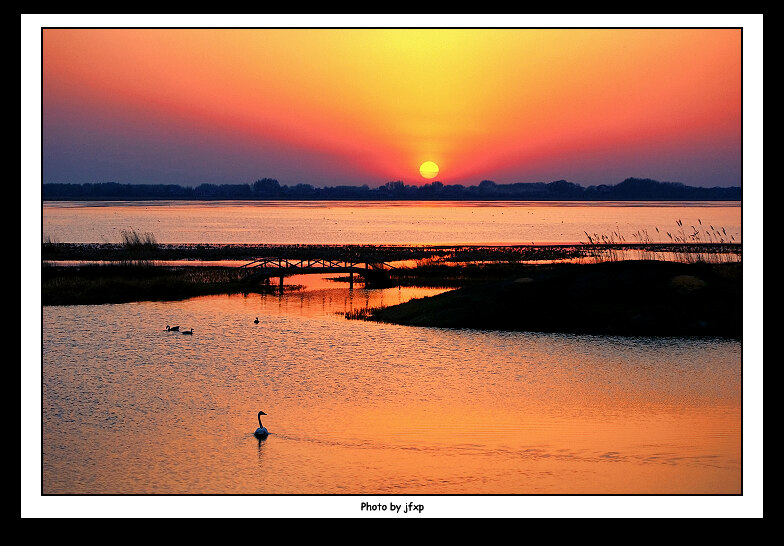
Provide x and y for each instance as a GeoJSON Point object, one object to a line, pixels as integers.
{"type": "Point", "coordinates": [281, 284]}
{"type": "Point", "coordinates": [351, 281]}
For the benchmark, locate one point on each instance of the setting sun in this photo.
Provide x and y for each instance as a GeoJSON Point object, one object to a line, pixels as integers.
{"type": "Point", "coordinates": [428, 169]}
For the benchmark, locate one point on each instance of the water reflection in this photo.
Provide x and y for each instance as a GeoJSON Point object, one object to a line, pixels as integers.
{"type": "Point", "coordinates": [358, 407]}
{"type": "Point", "coordinates": [314, 295]}
{"type": "Point", "coordinates": [404, 223]}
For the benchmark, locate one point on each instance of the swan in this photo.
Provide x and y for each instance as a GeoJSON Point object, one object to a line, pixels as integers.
{"type": "Point", "coordinates": [188, 332]}
{"type": "Point", "coordinates": [172, 329]}
{"type": "Point", "coordinates": [256, 321]}
{"type": "Point", "coordinates": [261, 432]}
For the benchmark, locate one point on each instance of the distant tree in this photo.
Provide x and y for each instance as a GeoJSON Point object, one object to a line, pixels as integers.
{"type": "Point", "coordinates": [303, 188]}
{"type": "Point", "coordinates": [206, 190]}
{"type": "Point", "coordinates": [395, 186]}
{"type": "Point", "coordinates": [487, 188]}
{"type": "Point", "coordinates": [266, 186]}
{"type": "Point", "coordinates": [431, 189]}
{"type": "Point", "coordinates": [562, 186]}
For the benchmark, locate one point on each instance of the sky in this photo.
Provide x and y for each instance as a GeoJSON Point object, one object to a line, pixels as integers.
{"type": "Point", "coordinates": [354, 106]}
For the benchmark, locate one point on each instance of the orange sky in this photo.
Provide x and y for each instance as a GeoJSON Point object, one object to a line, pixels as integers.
{"type": "Point", "coordinates": [366, 106]}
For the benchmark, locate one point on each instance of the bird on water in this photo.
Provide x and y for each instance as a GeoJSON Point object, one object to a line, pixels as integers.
{"type": "Point", "coordinates": [256, 321]}
{"type": "Point", "coordinates": [261, 432]}
{"type": "Point", "coordinates": [188, 332]}
{"type": "Point", "coordinates": [172, 328]}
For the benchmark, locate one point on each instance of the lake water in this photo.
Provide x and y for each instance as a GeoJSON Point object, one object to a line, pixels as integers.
{"type": "Point", "coordinates": [368, 222]}
{"type": "Point", "coordinates": [360, 408]}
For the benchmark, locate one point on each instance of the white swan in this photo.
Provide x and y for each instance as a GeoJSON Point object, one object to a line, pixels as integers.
{"type": "Point", "coordinates": [172, 329]}
{"type": "Point", "coordinates": [261, 432]}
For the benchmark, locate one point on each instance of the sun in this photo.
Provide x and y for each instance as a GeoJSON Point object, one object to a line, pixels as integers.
{"type": "Point", "coordinates": [428, 169]}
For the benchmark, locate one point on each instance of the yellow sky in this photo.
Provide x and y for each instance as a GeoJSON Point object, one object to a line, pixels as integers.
{"type": "Point", "coordinates": [385, 100]}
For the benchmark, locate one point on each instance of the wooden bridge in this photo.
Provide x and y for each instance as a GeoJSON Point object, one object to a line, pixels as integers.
{"type": "Point", "coordinates": [266, 268]}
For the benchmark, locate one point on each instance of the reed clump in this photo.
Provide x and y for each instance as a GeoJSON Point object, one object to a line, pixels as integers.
{"type": "Point", "coordinates": [693, 244]}
{"type": "Point", "coordinates": [139, 249]}
{"type": "Point", "coordinates": [604, 247]}
{"type": "Point", "coordinates": [364, 313]}
{"type": "Point", "coordinates": [127, 282]}
{"type": "Point", "coordinates": [133, 240]}
{"type": "Point", "coordinates": [704, 244]}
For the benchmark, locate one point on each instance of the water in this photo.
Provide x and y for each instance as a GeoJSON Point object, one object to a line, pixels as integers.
{"type": "Point", "coordinates": [363, 408]}
{"type": "Point", "coordinates": [373, 409]}
{"type": "Point", "coordinates": [368, 222]}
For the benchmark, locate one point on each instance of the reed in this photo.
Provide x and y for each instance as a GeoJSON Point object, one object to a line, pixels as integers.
{"type": "Point", "coordinates": [132, 239]}
{"type": "Point", "coordinates": [365, 313]}
{"type": "Point", "coordinates": [643, 238]}
{"type": "Point", "coordinates": [126, 282]}
{"type": "Point", "coordinates": [690, 243]}
{"type": "Point", "coordinates": [139, 249]}
{"type": "Point", "coordinates": [602, 248]}
{"type": "Point", "coordinates": [686, 244]}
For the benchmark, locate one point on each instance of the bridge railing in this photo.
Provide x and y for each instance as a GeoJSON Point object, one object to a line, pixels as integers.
{"type": "Point", "coordinates": [314, 263]}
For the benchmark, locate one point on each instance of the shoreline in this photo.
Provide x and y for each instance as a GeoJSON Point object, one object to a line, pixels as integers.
{"type": "Point", "coordinates": [615, 297]}
{"type": "Point", "coordinates": [626, 298]}
{"type": "Point", "coordinates": [118, 252]}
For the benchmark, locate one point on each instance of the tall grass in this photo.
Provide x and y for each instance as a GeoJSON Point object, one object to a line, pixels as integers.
{"type": "Point", "coordinates": [49, 246]}
{"type": "Point", "coordinates": [140, 249]}
{"type": "Point", "coordinates": [364, 313]}
{"type": "Point", "coordinates": [688, 244]}
{"type": "Point", "coordinates": [602, 247]}
{"type": "Point", "coordinates": [133, 240]}
{"type": "Point", "coordinates": [125, 282]}
{"type": "Point", "coordinates": [696, 236]}
{"type": "Point", "coordinates": [642, 237]}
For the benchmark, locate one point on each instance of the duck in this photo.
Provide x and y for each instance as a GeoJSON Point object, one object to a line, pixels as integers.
{"type": "Point", "coordinates": [172, 328]}
{"type": "Point", "coordinates": [188, 332]}
{"type": "Point", "coordinates": [256, 321]}
{"type": "Point", "coordinates": [261, 432]}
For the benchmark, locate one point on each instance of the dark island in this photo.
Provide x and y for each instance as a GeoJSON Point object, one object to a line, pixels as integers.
{"type": "Point", "coordinates": [629, 298]}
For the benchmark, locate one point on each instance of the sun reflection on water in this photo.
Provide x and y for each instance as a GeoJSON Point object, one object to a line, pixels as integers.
{"type": "Point", "coordinates": [360, 407]}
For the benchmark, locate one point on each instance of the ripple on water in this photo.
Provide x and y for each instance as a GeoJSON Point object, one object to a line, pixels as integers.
{"type": "Point", "coordinates": [363, 407]}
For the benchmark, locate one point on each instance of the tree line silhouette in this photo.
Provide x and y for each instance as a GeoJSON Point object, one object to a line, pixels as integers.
{"type": "Point", "coordinates": [631, 189]}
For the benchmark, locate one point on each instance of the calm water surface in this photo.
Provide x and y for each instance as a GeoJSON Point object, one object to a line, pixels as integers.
{"type": "Point", "coordinates": [369, 222]}
{"type": "Point", "coordinates": [359, 407]}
